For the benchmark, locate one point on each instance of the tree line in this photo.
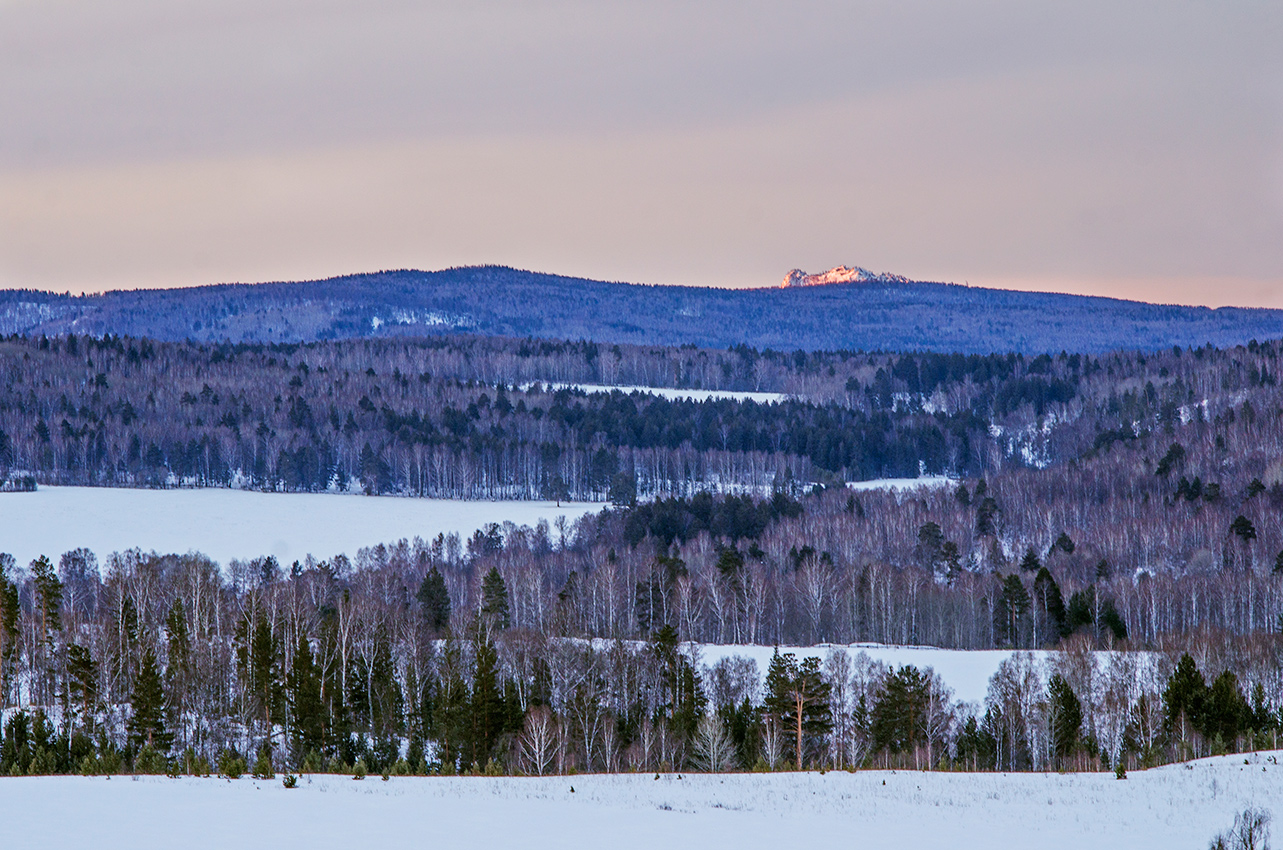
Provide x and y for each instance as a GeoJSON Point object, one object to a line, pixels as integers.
{"type": "Point", "coordinates": [483, 417]}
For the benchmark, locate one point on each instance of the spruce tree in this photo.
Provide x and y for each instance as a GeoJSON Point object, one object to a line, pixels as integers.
{"type": "Point", "coordinates": [434, 599]}
{"type": "Point", "coordinates": [451, 710]}
{"type": "Point", "coordinates": [383, 691]}
{"type": "Point", "coordinates": [146, 725]}
{"type": "Point", "coordinates": [485, 705]}
{"type": "Point", "coordinates": [178, 670]}
{"type": "Point", "coordinates": [306, 708]}
{"type": "Point", "coordinates": [1225, 711]}
{"type": "Point", "coordinates": [986, 515]}
{"type": "Point", "coordinates": [494, 599]}
{"type": "Point", "coordinates": [1051, 604]}
{"type": "Point", "coordinates": [1066, 717]}
{"type": "Point", "coordinates": [1184, 699]}
{"type": "Point", "coordinates": [258, 658]}
{"type": "Point", "coordinates": [10, 611]}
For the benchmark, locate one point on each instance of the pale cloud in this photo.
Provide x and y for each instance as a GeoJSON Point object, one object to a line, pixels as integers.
{"type": "Point", "coordinates": [1125, 149]}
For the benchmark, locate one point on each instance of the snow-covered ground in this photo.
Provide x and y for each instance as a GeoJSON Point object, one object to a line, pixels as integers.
{"type": "Point", "coordinates": [676, 394]}
{"type": "Point", "coordinates": [226, 524]}
{"type": "Point", "coordinates": [902, 483]}
{"type": "Point", "coordinates": [966, 671]}
{"type": "Point", "coordinates": [1178, 806]}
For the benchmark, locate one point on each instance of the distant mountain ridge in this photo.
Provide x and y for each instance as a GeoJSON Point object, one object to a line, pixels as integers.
{"type": "Point", "coordinates": [881, 312]}
{"type": "Point", "coordinates": [840, 274]}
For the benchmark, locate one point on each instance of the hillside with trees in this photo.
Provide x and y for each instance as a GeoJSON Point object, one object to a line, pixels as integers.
{"type": "Point", "coordinates": [1130, 501]}
{"type": "Point", "coordinates": [885, 313]}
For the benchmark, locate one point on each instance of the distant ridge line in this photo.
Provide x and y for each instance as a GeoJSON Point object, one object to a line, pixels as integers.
{"type": "Point", "coordinates": [846, 308]}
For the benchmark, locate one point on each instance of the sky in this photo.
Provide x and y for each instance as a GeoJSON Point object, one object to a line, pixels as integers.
{"type": "Point", "coordinates": [1132, 149]}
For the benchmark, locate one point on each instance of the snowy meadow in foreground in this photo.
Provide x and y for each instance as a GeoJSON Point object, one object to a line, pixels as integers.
{"type": "Point", "coordinates": [1177, 806]}
{"type": "Point", "coordinates": [226, 524]}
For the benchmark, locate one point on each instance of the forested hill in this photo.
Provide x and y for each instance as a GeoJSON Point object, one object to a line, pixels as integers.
{"type": "Point", "coordinates": [885, 314]}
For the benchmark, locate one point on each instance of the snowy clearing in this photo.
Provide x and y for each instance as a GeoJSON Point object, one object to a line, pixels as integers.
{"type": "Point", "coordinates": [1181, 805]}
{"type": "Point", "coordinates": [226, 524]}
{"type": "Point", "coordinates": [902, 483]}
{"type": "Point", "coordinates": [676, 394]}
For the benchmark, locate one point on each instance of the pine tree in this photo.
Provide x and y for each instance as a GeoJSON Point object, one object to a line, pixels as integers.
{"type": "Point", "coordinates": [48, 596]}
{"type": "Point", "coordinates": [896, 719]}
{"type": "Point", "coordinates": [147, 723]}
{"type": "Point", "coordinates": [1030, 563]}
{"type": "Point", "coordinates": [1011, 606]}
{"type": "Point", "coordinates": [434, 599]}
{"type": "Point", "coordinates": [49, 603]}
{"type": "Point", "coordinates": [797, 698]}
{"type": "Point", "coordinates": [82, 684]}
{"type": "Point", "coordinates": [494, 599]}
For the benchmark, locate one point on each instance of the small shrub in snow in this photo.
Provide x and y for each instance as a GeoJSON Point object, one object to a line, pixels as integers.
{"type": "Point", "coordinates": [194, 764]}
{"type": "Point", "coordinates": [230, 764]}
{"type": "Point", "coordinates": [1251, 831]}
{"type": "Point", "coordinates": [263, 766]}
{"type": "Point", "coordinates": [359, 770]}
{"type": "Point", "coordinates": [290, 781]}
{"type": "Point", "coordinates": [149, 761]}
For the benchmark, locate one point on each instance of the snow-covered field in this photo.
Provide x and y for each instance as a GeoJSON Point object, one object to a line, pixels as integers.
{"type": "Point", "coordinates": [678, 395]}
{"type": "Point", "coordinates": [226, 524]}
{"type": "Point", "coordinates": [1178, 806]}
{"type": "Point", "coordinates": [902, 483]}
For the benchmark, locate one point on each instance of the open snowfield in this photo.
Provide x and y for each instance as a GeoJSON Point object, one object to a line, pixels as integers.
{"type": "Point", "coordinates": [926, 481]}
{"type": "Point", "coordinates": [1178, 806]}
{"type": "Point", "coordinates": [226, 524]}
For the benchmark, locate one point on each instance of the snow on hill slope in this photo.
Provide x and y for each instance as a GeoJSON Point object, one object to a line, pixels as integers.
{"type": "Point", "coordinates": [840, 274]}
{"type": "Point", "coordinates": [226, 524]}
{"type": "Point", "coordinates": [1169, 807]}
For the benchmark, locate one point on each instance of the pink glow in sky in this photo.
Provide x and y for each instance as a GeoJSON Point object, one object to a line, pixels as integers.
{"type": "Point", "coordinates": [1121, 148]}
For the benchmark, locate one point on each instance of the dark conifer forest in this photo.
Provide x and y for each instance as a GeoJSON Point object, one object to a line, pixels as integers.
{"type": "Point", "coordinates": [1127, 502]}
